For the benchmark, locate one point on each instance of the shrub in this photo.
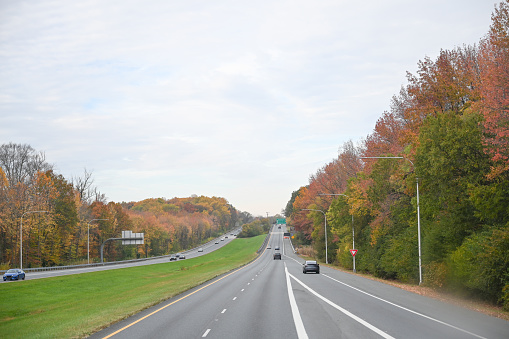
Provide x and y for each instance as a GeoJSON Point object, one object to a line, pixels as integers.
{"type": "Point", "coordinates": [481, 265]}
{"type": "Point", "coordinates": [435, 274]}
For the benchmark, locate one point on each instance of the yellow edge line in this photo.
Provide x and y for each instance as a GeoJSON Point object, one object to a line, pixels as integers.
{"type": "Point", "coordinates": [162, 308]}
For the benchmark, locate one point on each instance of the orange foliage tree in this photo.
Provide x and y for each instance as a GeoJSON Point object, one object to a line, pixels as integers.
{"type": "Point", "coordinates": [494, 88]}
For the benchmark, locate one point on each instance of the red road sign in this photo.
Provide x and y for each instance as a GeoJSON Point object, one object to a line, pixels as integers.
{"type": "Point", "coordinates": [354, 252]}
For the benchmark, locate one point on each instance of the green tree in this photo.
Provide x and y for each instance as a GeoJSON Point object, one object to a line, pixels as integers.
{"type": "Point", "coordinates": [450, 158]}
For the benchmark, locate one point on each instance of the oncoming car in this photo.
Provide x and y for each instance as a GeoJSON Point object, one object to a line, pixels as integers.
{"type": "Point", "coordinates": [311, 266]}
{"type": "Point", "coordinates": [14, 274]}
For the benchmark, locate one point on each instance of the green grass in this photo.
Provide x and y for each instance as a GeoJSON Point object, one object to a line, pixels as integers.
{"type": "Point", "coordinates": [77, 305]}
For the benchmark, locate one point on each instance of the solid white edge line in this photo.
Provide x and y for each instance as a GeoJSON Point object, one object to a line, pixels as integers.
{"type": "Point", "coordinates": [406, 309]}
{"type": "Point", "coordinates": [351, 315]}
{"type": "Point", "coordinates": [299, 325]}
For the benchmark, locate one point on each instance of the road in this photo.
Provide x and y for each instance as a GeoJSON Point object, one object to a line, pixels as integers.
{"type": "Point", "coordinates": [274, 299]}
{"type": "Point", "coordinates": [207, 248]}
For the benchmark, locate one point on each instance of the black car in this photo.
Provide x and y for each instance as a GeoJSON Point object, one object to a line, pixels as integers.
{"type": "Point", "coordinates": [14, 274]}
{"type": "Point", "coordinates": [277, 255]}
{"type": "Point", "coordinates": [311, 266]}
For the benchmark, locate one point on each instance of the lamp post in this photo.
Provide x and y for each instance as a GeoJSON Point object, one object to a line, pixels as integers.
{"type": "Point", "coordinates": [88, 239]}
{"type": "Point", "coordinates": [418, 212]}
{"type": "Point", "coordinates": [21, 237]}
{"type": "Point", "coordinates": [353, 230]}
{"type": "Point", "coordinates": [325, 217]}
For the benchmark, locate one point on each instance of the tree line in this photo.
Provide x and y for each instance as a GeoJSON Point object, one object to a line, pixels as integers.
{"type": "Point", "coordinates": [60, 218]}
{"type": "Point", "coordinates": [447, 132]}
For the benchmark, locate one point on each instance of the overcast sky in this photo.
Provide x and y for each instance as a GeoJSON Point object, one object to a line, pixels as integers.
{"type": "Point", "coordinates": [237, 99]}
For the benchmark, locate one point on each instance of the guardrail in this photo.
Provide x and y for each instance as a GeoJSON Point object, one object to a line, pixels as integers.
{"type": "Point", "coordinates": [267, 237]}
{"type": "Point", "coordinates": [55, 268]}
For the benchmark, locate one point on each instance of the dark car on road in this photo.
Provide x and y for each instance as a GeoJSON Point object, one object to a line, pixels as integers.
{"type": "Point", "coordinates": [277, 255]}
{"type": "Point", "coordinates": [311, 266]}
{"type": "Point", "coordinates": [14, 274]}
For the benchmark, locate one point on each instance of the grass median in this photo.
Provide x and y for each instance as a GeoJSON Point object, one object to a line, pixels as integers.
{"type": "Point", "coordinates": [77, 305]}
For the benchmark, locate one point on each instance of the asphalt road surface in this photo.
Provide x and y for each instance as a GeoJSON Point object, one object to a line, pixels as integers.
{"type": "Point", "coordinates": [207, 248]}
{"type": "Point", "coordinates": [274, 299]}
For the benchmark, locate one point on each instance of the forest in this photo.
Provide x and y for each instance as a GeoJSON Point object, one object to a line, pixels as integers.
{"type": "Point", "coordinates": [445, 140]}
{"type": "Point", "coordinates": [60, 218]}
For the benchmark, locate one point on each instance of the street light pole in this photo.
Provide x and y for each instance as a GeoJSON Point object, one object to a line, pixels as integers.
{"type": "Point", "coordinates": [21, 237]}
{"type": "Point", "coordinates": [418, 211]}
{"type": "Point", "coordinates": [88, 239]}
{"type": "Point", "coordinates": [325, 217]}
{"type": "Point", "coordinates": [353, 230]}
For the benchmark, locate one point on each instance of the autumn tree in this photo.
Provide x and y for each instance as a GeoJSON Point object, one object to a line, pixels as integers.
{"type": "Point", "coordinates": [494, 87]}
{"type": "Point", "coordinates": [448, 127]}
{"type": "Point", "coordinates": [446, 84]}
{"type": "Point", "coordinates": [20, 165]}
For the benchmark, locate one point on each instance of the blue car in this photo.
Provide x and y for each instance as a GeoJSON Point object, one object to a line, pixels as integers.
{"type": "Point", "coordinates": [14, 274]}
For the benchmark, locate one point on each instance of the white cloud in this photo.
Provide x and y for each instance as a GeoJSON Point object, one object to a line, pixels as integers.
{"type": "Point", "coordinates": [237, 99]}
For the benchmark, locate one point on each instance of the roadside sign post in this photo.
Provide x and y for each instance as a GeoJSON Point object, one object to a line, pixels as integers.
{"type": "Point", "coordinates": [128, 238]}
{"type": "Point", "coordinates": [354, 252]}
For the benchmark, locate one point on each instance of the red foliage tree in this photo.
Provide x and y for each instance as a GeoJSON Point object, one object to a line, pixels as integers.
{"type": "Point", "coordinates": [494, 87]}
{"type": "Point", "coordinates": [447, 84]}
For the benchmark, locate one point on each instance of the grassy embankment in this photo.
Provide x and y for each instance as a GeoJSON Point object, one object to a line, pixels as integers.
{"type": "Point", "coordinates": [78, 305]}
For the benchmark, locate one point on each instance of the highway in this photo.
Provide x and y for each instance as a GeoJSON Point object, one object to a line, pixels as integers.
{"type": "Point", "coordinates": [207, 248]}
{"type": "Point", "coordinates": [274, 299]}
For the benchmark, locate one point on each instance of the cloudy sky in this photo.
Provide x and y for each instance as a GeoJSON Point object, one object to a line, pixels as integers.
{"type": "Point", "coordinates": [238, 99]}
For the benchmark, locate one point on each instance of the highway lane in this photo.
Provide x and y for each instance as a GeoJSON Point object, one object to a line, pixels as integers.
{"type": "Point", "coordinates": [274, 299]}
{"type": "Point", "coordinates": [207, 248]}
{"type": "Point", "coordinates": [341, 305]}
{"type": "Point", "coordinates": [250, 302]}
